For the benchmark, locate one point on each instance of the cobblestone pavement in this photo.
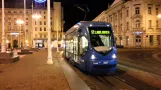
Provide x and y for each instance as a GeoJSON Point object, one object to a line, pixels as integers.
{"type": "Point", "coordinates": [32, 73]}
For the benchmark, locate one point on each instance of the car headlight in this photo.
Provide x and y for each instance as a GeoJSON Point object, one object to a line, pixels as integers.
{"type": "Point", "coordinates": [114, 56]}
{"type": "Point", "coordinates": [93, 57]}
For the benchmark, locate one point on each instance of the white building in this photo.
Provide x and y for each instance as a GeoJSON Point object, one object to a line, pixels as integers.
{"type": "Point", "coordinates": [36, 28]}
{"type": "Point", "coordinates": [135, 22]}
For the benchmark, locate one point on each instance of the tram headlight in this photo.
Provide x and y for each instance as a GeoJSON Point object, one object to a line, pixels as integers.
{"type": "Point", "coordinates": [114, 56]}
{"type": "Point", "coordinates": [93, 57]}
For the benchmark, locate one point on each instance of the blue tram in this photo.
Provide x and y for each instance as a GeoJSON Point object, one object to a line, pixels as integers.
{"type": "Point", "coordinates": [91, 46]}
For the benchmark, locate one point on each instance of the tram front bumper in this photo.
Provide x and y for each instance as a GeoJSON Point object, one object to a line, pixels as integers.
{"type": "Point", "coordinates": [98, 66]}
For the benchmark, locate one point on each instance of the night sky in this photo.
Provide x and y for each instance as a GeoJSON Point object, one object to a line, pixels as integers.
{"type": "Point", "coordinates": [73, 14]}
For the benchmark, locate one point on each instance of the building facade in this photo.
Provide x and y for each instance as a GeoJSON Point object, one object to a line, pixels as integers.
{"type": "Point", "coordinates": [36, 32]}
{"type": "Point", "coordinates": [135, 22]}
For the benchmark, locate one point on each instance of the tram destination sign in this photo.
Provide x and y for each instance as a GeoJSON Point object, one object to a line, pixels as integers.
{"type": "Point", "coordinates": [102, 32]}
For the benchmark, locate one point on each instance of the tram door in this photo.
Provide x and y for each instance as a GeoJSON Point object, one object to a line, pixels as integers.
{"type": "Point", "coordinates": [75, 48]}
{"type": "Point", "coordinates": [138, 41]}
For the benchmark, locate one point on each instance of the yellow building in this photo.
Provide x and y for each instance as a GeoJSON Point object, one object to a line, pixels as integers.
{"type": "Point", "coordinates": [36, 27]}
{"type": "Point", "coordinates": [135, 22]}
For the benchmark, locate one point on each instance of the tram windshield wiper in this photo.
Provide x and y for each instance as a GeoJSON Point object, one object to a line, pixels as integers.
{"type": "Point", "coordinates": [102, 48]}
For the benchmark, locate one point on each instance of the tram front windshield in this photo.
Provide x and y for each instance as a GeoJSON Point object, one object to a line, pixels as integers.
{"type": "Point", "coordinates": [101, 38]}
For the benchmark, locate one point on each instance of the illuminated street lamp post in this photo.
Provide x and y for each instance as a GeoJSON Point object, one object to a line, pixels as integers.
{"type": "Point", "coordinates": [49, 61]}
{"type": "Point", "coordinates": [3, 48]}
{"type": "Point", "coordinates": [20, 22]}
{"type": "Point", "coordinates": [25, 22]}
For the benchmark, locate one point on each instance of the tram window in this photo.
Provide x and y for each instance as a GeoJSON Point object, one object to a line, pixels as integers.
{"type": "Point", "coordinates": [83, 45]}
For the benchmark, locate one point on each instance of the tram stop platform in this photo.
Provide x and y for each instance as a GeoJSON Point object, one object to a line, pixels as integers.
{"type": "Point", "coordinates": [32, 72]}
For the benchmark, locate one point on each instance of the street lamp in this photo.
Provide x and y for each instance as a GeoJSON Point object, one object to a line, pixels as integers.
{"type": "Point", "coordinates": [3, 47]}
{"type": "Point", "coordinates": [20, 22]}
{"type": "Point", "coordinates": [159, 15]}
{"type": "Point", "coordinates": [49, 61]}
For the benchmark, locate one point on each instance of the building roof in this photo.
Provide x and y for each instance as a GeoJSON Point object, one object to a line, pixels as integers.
{"type": "Point", "coordinates": [115, 2]}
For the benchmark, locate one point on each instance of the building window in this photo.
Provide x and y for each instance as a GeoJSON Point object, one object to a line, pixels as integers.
{"type": "Point", "coordinates": [26, 18]}
{"type": "Point", "coordinates": [35, 28]}
{"type": "Point", "coordinates": [40, 35]}
{"type": "Point", "coordinates": [26, 23]}
{"type": "Point", "coordinates": [157, 9]}
{"type": "Point", "coordinates": [151, 39]}
{"type": "Point", "coordinates": [35, 35]}
{"type": "Point", "coordinates": [44, 17]}
{"type": "Point", "coordinates": [127, 25]}
{"type": "Point", "coordinates": [9, 11]}
{"type": "Point", "coordinates": [44, 35]}
{"type": "Point", "coordinates": [150, 23]}
{"type": "Point", "coordinates": [44, 29]}
{"type": "Point", "coordinates": [137, 24]}
{"type": "Point", "coordinates": [159, 39]}
{"type": "Point", "coordinates": [44, 23]}
{"type": "Point", "coordinates": [40, 29]}
{"type": "Point", "coordinates": [9, 23]}
{"type": "Point", "coordinates": [40, 23]}
{"type": "Point", "coordinates": [127, 12]}
{"type": "Point", "coordinates": [149, 10]}
{"type": "Point", "coordinates": [51, 23]}
{"type": "Point", "coordinates": [157, 23]}
{"type": "Point", "coordinates": [15, 12]}
{"type": "Point", "coordinates": [44, 12]}
{"type": "Point", "coordinates": [121, 15]}
{"type": "Point", "coordinates": [137, 10]}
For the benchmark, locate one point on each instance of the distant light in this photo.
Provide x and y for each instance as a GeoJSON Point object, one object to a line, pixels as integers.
{"type": "Point", "coordinates": [90, 25]}
{"type": "Point", "coordinates": [114, 56]}
{"type": "Point", "coordinates": [40, 1]}
{"type": "Point", "coordinates": [159, 15]}
{"type": "Point", "coordinates": [108, 25]}
{"type": "Point", "coordinates": [14, 33]}
{"type": "Point", "coordinates": [7, 41]}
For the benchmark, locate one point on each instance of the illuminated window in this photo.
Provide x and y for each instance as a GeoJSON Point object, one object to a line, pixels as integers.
{"type": "Point", "coordinates": [35, 28]}
{"type": "Point", "coordinates": [40, 29]}
{"type": "Point", "coordinates": [44, 29]}
{"type": "Point", "coordinates": [159, 39]}
{"type": "Point", "coordinates": [157, 23]}
{"type": "Point", "coordinates": [40, 23]}
{"type": "Point", "coordinates": [149, 10]}
{"type": "Point", "coordinates": [150, 23]}
{"type": "Point", "coordinates": [127, 25]}
{"type": "Point", "coordinates": [157, 10]}
{"type": "Point", "coordinates": [127, 12]}
{"type": "Point", "coordinates": [137, 10]}
{"type": "Point", "coordinates": [137, 24]}
{"type": "Point", "coordinates": [151, 39]}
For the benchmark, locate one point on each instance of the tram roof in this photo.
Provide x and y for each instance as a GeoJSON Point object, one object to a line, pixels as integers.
{"type": "Point", "coordinates": [86, 24]}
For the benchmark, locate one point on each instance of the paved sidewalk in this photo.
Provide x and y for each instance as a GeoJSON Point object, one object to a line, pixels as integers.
{"type": "Point", "coordinates": [32, 73]}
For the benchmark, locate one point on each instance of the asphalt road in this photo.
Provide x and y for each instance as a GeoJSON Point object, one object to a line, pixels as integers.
{"type": "Point", "coordinates": [143, 59]}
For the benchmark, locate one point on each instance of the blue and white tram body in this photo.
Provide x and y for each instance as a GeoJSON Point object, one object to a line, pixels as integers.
{"type": "Point", "coordinates": [91, 46]}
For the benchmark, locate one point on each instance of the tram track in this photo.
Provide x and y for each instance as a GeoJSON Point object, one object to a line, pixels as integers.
{"type": "Point", "coordinates": [117, 81]}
